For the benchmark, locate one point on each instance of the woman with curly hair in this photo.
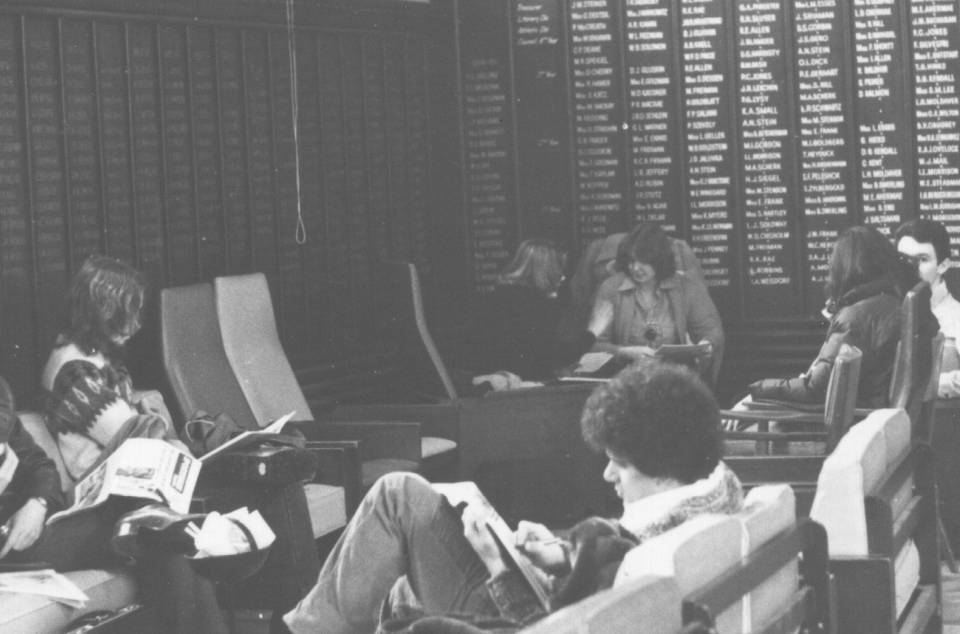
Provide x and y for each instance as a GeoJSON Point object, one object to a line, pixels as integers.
{"type": "Point", "coordinates": [653, 304]}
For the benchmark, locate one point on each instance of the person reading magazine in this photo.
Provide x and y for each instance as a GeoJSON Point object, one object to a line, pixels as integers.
{"type": "Point", "coordinates": [658, 425]}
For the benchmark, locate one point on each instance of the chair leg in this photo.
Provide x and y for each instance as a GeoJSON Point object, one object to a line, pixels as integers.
{"type": "Point", "coordinates": [947, 552]}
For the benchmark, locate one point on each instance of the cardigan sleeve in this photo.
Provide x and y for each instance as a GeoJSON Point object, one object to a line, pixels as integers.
{"type": "Point", "coordinates": [88, 400]}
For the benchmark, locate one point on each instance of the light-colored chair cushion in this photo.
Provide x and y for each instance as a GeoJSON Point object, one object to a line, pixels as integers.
{"type": "Point", "coordinates": [649, 604]}
{"type": "Point", "coordinates": [693, 554]}
{"type": "Point", "coordinates": [30, 614]}
{"type": "Point", "coordinates": [768, 511]}
{"type": "Point", "coordinates": [327, 508]}
{"type": "Point", "coordinates": [852, 470]}
{"type": "Point", "coordinates": [250, 339]}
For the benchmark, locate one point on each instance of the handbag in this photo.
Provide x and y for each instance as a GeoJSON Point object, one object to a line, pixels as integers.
{"type": "Point", "coordinates": [205, 432]}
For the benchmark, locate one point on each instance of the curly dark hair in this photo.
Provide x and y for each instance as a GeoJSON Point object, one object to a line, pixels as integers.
{"type": "Point", "coordinates": [647, 243]}
{"type": "Point", "coordinates": [104, 300]}
{"type": "Point", "coordinates": [659, 417]}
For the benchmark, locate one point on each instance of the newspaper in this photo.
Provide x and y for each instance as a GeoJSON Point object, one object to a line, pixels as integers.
{"type": "Point", "coordinates": [45, 582]}
{"type": "Point", "coordinates": [146, 468]}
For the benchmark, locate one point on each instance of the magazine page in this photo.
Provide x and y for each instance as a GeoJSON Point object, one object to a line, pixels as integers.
{"type": "Point", "coordinates": [146, 468]}
{"type": "Point", "coordinates": [468, 493]}
{"type": "Point", "coordinates": [45, 582]}
{"type": "Point", "coordinates": [242, 440]}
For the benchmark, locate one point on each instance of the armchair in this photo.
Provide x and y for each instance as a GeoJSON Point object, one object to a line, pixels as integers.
{"type": "Point", "coordinates": [253, 350]}
{"type": "Point", "coordinates": [200, 378]}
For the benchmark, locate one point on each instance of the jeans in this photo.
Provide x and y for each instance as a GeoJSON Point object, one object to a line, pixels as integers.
{"type": "Point", "coordinates": [402, 527]}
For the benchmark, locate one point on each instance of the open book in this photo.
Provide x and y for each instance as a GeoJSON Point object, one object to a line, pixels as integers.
{"type": "Point", "coordinates": [686, 354]}
{"type": "Point", "coordinates": [458, 493]}
{"type": "Point", "coordinates": [248, 437]}
{"type": "Point", "coordinates": [146, 468]}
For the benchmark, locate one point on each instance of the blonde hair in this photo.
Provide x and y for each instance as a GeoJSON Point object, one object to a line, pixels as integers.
{"type": "Point", "coordinates": [538, 263]}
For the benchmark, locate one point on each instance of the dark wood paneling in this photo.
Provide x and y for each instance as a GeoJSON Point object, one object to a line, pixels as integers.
{"type": "Point", "coordinates": [164, 133]}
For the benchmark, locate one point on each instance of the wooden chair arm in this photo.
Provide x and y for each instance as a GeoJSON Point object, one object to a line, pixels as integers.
{"type": "Point", "coordinates": [779, 416]}
{"type": "Point", "coordinates": [436, 419]}
{"type": "Point", "coordinates": [378, 439]}
{"type": "Point", "coordinates": [338, 464]}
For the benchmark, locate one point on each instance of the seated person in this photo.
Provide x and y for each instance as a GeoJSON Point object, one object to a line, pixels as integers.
{"type": "Point", "coordinates": [90, 407]}
{"type": "Point", "coordinates": [658, 425]}
{"type": "Point", "coordinates": [32, 492]}
{"type": "Point", "coordinates": [520, 318]}
{"type": "Point", "coordinates": [654, 305]}
{"type": "Point", "coordinates": [927, 244]}
{"type": "Point", "coordinates": [596, 265]}
{"type": "Point", "coordinates": [866, 282]}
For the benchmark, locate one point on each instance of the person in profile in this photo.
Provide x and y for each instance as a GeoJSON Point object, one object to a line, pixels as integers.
{"type": "Point", "coordinates": [654, 305]}
{"type": "Point", "coordinates": [866, 282]}
{"type": "Point", "coordinates": [658, 425]}
{"type": "Point", "coordinates": [519, 319]}
{"type": "Point", "coordinates": [927, 245]}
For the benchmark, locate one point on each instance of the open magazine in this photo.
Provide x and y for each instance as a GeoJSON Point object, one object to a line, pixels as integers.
{"type": "Point", "coordinates": [246, 438]}
{"type": "Point", "coordinates": [47, 583]}
{"type": "Point", "coordinates": [146, 468]}
{"type": "Point", "coordinates": [458, 493]}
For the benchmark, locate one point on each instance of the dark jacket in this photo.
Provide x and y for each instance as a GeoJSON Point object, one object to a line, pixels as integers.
{"type": "Point", "coordinates": [36, 474]}
{"type": "Point", "coordinates": [519, 333]}
{"type": "Point", "coordinates": [868, 317]}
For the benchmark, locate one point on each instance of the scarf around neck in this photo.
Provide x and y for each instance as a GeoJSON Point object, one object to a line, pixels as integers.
{"type": "Point", "coordinates": [720, 492]}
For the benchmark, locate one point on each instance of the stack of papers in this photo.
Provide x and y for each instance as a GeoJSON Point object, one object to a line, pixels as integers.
{"type": "Point", "coordinates": [47, 582]}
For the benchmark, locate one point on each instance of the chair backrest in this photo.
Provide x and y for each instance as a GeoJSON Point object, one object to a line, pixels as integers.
{"type": "Point", "coordinates": [707, 556]}
{"type": "Point", "coordinates": [252, 344]}
{"type": "Point", "coordinates": [196, 366]}
{"type": "Point", "coordinates": [908, 385]}
{"type": "Point", "coordinates": [923, 430]}
{"type": "Point", "coordinates": [841, 400]}
{"type": "Point", "coordinates": [876, 497]}
{"type": "Point", "coordinates": [407, 313]}
{"type": "Point", "coordinates": [857, 466]}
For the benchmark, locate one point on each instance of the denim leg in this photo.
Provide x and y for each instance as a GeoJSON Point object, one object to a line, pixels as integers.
{"type": "Point", "coordinates": [402, 527]}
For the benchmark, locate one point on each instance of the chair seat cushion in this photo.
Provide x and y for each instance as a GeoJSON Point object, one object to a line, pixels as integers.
{"type": "Point", "coordinates": [371, 470]}
{"type": "Point", "coordinates": [108, 590]}
{"type": "Point", "coordinates": [433, 446]}
{"type": "Point", "coordinates": [327, 507]}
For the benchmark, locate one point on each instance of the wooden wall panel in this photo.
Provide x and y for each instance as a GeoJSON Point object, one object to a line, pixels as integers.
{"type": "Point", "coordinates": [162, 133]}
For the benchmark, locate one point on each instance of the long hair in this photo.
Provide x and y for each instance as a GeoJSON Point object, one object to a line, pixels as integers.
{"type": "Point", "coordinates": [862, 255]}
{"type": "Point", "coordinates": [538, 263]}
{"type": "Point", "coordinates": [104, 300]}
{"type": "Point", "coordinates": [647, 243]}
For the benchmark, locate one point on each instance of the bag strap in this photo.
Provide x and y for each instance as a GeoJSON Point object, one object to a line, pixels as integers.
{"type": "Point", "coordinates": [247, 533]}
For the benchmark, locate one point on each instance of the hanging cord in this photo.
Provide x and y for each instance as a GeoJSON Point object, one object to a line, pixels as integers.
{"type": "Point", "coordinates": [300, 235]}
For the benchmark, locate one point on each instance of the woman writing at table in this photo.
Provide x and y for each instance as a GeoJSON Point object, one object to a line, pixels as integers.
{"type": "Point", "coordinates": [653, 304]}
{"type": "Point", "coordinates": [520, 318]}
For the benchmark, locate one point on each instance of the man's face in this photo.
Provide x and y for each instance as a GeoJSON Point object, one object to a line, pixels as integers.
{"type": "Point", "coordinates": [627, 481]}
{"type": "Point", "coordinates": [925, 257]}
